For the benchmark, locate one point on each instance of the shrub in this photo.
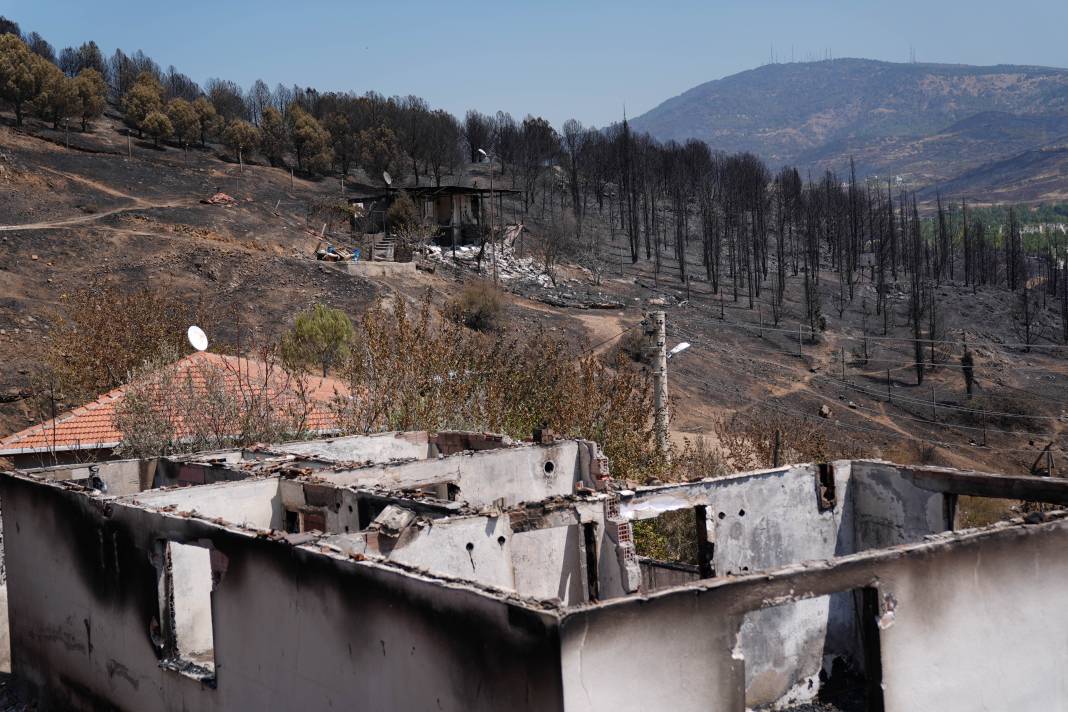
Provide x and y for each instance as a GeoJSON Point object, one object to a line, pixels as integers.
{"type": "Point", "coordinates": [417, 372]}
{"type": "Point", "coordinates": [320, 338]}
{"type": "Point", "coordinates": [479, 306]}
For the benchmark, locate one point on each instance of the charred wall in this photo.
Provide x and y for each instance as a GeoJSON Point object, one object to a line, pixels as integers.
{"type": "Point", "coordinates": [293, 628]}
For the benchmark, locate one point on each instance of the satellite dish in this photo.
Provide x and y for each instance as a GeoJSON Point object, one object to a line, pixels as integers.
{"type": "Point", "coordinates": [197, 338]}
{"type": "Point", "coordinates": [483, 153]}
{"type": "Point", "coordinates": [386, 177]}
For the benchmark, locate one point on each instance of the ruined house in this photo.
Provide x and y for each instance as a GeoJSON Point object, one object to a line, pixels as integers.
{"type": "Point", "coordinates": [457, 212]}
{"type": "Point", "coordinates": [459, 571]}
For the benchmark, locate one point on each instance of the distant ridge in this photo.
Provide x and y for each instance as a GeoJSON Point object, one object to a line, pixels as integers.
{"type": "Point", "coordinates": [929, 123]}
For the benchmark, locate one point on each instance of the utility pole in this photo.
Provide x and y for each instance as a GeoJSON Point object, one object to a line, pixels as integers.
{"type": "Point", "coordinates": [656, 335]}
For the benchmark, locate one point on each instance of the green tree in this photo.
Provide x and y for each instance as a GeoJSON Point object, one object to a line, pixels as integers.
{"type": "Point", "coordinates": [274, 140]}
{"type": "Point", "coordinates": [321, 338]}
{"type": "Point", "coordinates": [184, 119]}
{"type": "Point", "coordinates": [310, 140]}
{"type": "Point", "coordinates": [207, 118]}
{"type": "Point", "coordinates": [92, 95]}
{"type": "Point", "coordinates": [342, 141]}
{"type": "Point", "coordinates": [158, 126]}
{"type": "Point", "coordinates": [19, 69]}
{"type": "Point", "coordinates": [241, 137]}
{"type": "Point", "coordinates": [58, 99]}
{"type": "Point", "coordinates": [380, 151]}
{"type": "Point", "coordinates": [144, 98]}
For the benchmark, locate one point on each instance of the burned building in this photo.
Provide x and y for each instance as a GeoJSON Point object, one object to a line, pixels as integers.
{"type": "Point", "coordinates": [457, 212]}
{"type": "Point", "coordinates": [459, 571]}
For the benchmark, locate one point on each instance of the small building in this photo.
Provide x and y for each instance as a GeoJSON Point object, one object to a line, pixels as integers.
{"type": "Point", "coordinates": [456, 211]}
{"type": "Point", "coordinates": [89, 433]}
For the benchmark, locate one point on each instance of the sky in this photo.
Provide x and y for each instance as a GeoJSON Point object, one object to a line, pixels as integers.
{"type": "Point", "coordinates": [579, 59]}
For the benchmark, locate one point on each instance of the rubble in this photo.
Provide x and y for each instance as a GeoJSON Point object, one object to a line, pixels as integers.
{"type": "Point", "coordinates": [220, 199]}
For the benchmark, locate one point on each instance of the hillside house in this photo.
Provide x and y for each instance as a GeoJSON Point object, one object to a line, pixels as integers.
{"type": "Point", "coordinates": [456, 211]}
{"type": "Point", "coordinates": [89, 433]}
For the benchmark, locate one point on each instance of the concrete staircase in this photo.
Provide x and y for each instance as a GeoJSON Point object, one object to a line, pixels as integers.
{"type": "Point", "coordinates": [382, 249]}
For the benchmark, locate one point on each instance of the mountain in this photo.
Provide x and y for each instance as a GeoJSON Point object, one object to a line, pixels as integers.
{"type": "Point", "coordinates": [929, 123]}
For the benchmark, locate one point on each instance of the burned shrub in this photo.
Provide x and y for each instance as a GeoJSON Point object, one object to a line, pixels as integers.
{"type": "Point", "coordinates": [479, 306]}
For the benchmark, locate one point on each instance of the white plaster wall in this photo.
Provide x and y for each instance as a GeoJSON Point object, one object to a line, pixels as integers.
{"type": "Point", "coordinates": [547, 564]}
{"type": "Point", "coordinates": [191, 589]}
{"type": "Point", "coordinates": [379, 448]}
{"type": "Point", "coordinates": [980, 629]}
{"type": "Point", "coordinates": [515, 474]}
{"type": "Point", "coordinates": [440, 546]}
{"type": "Point", "coordinates": [251, 502]}
{"type": "Point", "coordinates": [654, 655]}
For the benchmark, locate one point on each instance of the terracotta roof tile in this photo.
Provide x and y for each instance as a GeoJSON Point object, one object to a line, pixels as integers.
{"type": "Point", "coordinates": [92, 426]}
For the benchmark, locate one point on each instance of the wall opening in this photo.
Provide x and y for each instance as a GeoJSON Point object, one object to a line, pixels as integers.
{"type": "Point", "coordinates": [818, 653]}
{"type": "Point", "coordinates": [191, 573]}
{"type": "Point", "coordinates": [676, 547]}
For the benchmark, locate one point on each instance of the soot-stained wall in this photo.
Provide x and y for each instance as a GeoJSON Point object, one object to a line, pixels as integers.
{"type": "Point", "coordinates": [293, 628]}
{"type": "Point", "coordinates": [773, 518]}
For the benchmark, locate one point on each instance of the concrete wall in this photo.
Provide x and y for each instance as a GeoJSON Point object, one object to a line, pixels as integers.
{"type": "Point", "coordinates": [253, 502]}
{"type": "Point", "coordinates": [293, 628]}
{"type": "Point", "coordinates": [120, 477]}
{"type": "Point", "coordinates": [773, 518]}
{"type": "Point", "coordinates": [547, 564]}
{"type": "Point", "coordinates": [469, 548]}
{"type": "Point", "coordinates": [970, 621]}
{"type": "Point", "coordinates": [980, 628]}
{"type": "Point", "coordinates": [514, 475]}
{"type": "Point", "coordinates": [379, 448]}
{"type": "Point", "coordinates": [650, 655]}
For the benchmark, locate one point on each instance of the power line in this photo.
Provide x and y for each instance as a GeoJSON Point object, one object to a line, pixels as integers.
{"type": "Point", "coordinates": [882, 433]}
{"type": "Point", "coordinates": [879, 374]}
{"type": "Point", "coordinates": [610, 338]}
{"type": "Point", "coordinates": [904, 339]}
{"type": "Point", "coordinates": [879, 394]}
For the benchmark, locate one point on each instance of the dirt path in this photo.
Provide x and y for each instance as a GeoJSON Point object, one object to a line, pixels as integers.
{"type": "Point", "coordinates": [139, 204]}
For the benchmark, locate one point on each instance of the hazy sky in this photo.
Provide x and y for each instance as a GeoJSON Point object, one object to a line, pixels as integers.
{"type": "Point", "coordinates": [558, 59]}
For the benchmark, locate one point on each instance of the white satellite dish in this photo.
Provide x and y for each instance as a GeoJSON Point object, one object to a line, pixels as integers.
{"type": "Point", "coordinates": [386, 177]}
{"type": "Point", "coordinates": [197, 338]}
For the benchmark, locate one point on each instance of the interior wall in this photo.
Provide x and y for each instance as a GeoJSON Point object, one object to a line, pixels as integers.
{"type": "Point", "coordinates": [253, 502]}
{"type": "Point", "coordinates": [514, 475]}
{"type": "Point", "coordinates": [378, 448]}
{"type": "Point", "coordinates": [548, 564]}
{"type": "Point", "coordinates": [468, 548]}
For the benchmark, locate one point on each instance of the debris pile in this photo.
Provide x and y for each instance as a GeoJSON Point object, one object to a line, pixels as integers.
{"type": "Point", "coordinates": [220, 199]}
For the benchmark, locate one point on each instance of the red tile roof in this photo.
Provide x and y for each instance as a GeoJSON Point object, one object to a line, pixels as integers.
{"type": "Point", "coordinates": [92, 426]}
